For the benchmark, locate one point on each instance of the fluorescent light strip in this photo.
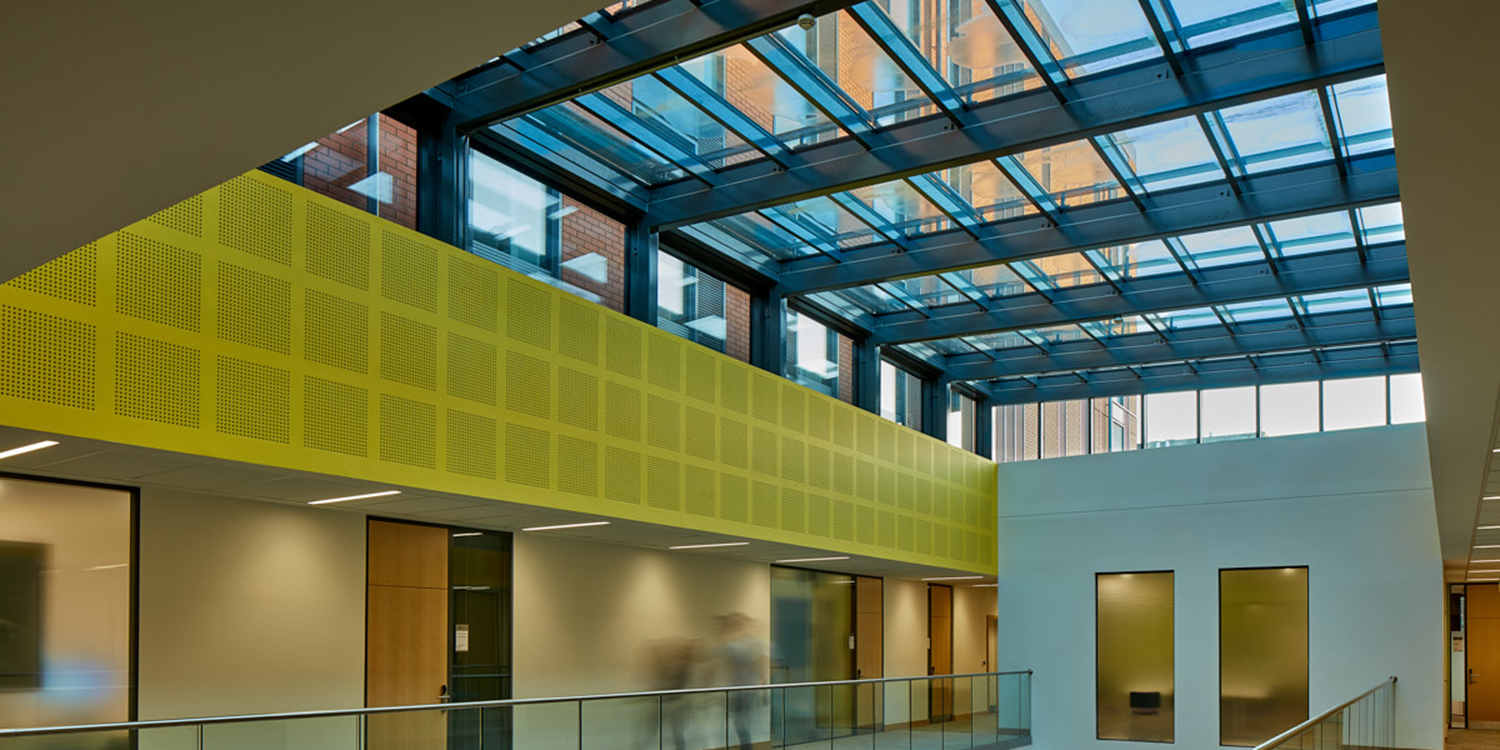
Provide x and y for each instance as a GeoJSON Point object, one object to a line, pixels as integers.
{"type": "Point", "coordinates": [28, 448]}
{"type": "Point", "coordinates": [1487, 546]}
{"type": "Point", "coordinates": [813, 559]}
{"type": "Point", "coordinates": [1491, 560]}
{"type": "Point", "coordinates": [366, 496]}
{"type": "Point", "coordinates": [955, 578]}
{"type": "Point", "coordinates": [1490, 497]}
{"type": "Point", "coordinates": [706, 546]}
{"type": "Point", "coordinates": [468, 533]}
{"type": "Point", "coordinates": [1488, 528]}
{"type": "Point", "coordinates": [985, 585]}
{"type": "Point", "coordinates": [567, 526]}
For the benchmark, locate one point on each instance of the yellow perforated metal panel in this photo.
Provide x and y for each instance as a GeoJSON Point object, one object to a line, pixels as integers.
{"type": "Point", "coordinates": [262, 323]}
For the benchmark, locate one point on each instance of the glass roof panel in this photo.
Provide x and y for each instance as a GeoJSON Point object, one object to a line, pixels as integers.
{"type": "Point", "coordinates": [1344, 301]}
{"type": "Point", "coordinates": [1395, 294]}
{"type": "Point", "coordinates": [1364, 114]}
{"type": "Point", "coordinates": [1136, 260]}
{"type": "Point", "coordinates": [1168, 154]}
{"type": "Point", "coordinates": [965, 41]}
{"type": "Point", "coordinates": [1326, 7]}
{"type": "Point", "coordinates": [873, 299]}
{"type": "Point", "coordinates": [1058, 271]}
{"type": "Point", "coordinates": [750, 86]}
{"type": "Point", "coordinates": [904, 210]}
{"type": "Point", "coordinates": [679, 121]}
{"type": "Point", "coordinates": [1286, 131]}
{"type": "Point", "coordinates": [1222, 247]}
{"type": "Point", "coordinates": [1175, 320]}
{"type": "Point", "coordinates": [923, 350]}
{"type": "Point", "coordinates": [986, 188]}
{"type": "Point", "coordinates": [836, 302]}
{"type": "Point", "coordinates": [1249, 312]}
{"type": "Point", "coordinates": [1204, 22]}
{"type": "Point", "coordinates": [1055, 334]}
{"type": "Point", "coordinates": [820, 219]}
{"type": "Point", "coordinates": [1072, 174]}
{"type": "Point", "coordinates": [1310, 234]}
{"type": "Point", "coordinates": [758, 233]}
{"type": "Point", "coordinates": [928, 291]}
{"type": "Point", "coordinates": [860, 68]}
{"type": "Point", "coordinates": [1382, 223]}
{"type": "Point", "coordinates": [591, 135]}
{"type": "Point", "coordinates": [998, 341]}
{"type": "Point", "coordinates": [997, 281]}
{"type": "Point", "coordinates": [1089, 36]}
{"type": "Point", "coordinates": [1103, 329]}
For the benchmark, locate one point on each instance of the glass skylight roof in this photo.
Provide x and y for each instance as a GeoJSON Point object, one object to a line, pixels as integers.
{"type": "Point", "coordinates": [966, 42]}
{"type": "Point", "coordinates": [1091, 36]}
{"type": "Point", "coordinates": [1201, 22]}
{"type": "Point", "coordinates": [1221, 247]}
{"type": "Point", "coordinates": [1135, 260]}
{"type": "Point", "coordinates": [1168, 154]}
{"type": "Point", "coordinates": [1363, 111]}
{"type": "Point", "coordinates": [1271, 134]}
{"type": "Point", "coordinates": [1309, 234]}
{"type": "Point", "coordinates": [751, 88]}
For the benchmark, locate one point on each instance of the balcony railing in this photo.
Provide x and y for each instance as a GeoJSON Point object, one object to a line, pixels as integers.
{"type": "Point", "coordinates": [1366, 722]}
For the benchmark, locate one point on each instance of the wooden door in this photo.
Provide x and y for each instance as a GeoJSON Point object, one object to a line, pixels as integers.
{"type": "Point", "coordinates": [940, 651]}
{"type": "Point", "coordinates": [869, 651]}
{"type": "Point", "coordinates": [406, 632]}
{"type": "Point", "coordinates": [1483, 646]}
{"type": "Point", "coordinates": [991, 652]}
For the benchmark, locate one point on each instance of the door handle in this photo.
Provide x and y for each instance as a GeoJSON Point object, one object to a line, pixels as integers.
{"type": "Point", "coordinates": [443, 694]}
{"type": "Point", "coordinates": [1473, 678]}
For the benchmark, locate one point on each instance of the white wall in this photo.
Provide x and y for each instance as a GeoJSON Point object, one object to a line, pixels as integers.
{"type": "Point", "coordinates": [1355, 507]}
{"type": "Point", "coordinates": [585, 614]}
{"type": "Point", "coordinates": [249, 607]}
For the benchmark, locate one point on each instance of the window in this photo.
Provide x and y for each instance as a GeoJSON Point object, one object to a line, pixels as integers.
{"type": "Point", "coordinates": [1228, 414]}
{"type": "Point", "coordinates": [338, 166]}
{"type": "Point", "coordinates": [961, 415]}
{"type": "Point", "coordinates": [1406, 399]}
{"type": "Point", "coordinates": [1288, 409]}
{"type": "Point", "coordinates": [812, 354]}
{"type": "Point", "coordinates": [1134, 665]}
{"type": "Point", "coordinates": [1015, 432]}
{"type": "Point", "coordinates": [531, 228]}
{"type": "Point", "coordinates": [900, 396]}
{"type": "Point", "coordinates": [1171, 419]}
{"type": "Point", "coordinates": [700, 307]}
{"type": "Point", "coordinates": [1353, 403]}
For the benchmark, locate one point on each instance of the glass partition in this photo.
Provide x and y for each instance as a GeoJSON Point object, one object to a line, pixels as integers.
{"type": "Point", "coordinates": [811, 622]}
{"type": "Point", "coordinates": [1262, 653]}
{"type": "Point", "coordinates": [1134, 657]}
{"type": "Point", "coordinates": [65, 606]}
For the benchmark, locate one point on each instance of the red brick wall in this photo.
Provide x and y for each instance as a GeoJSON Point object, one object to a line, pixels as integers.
{"type": "Point", "coordinates": [587, 231]}
{"type": "Point", "coordinates": [846, 369]}
{"type": "Point", "coordinates": [737, 323]}
{"type": "Point", "coordinates": [340, 159]}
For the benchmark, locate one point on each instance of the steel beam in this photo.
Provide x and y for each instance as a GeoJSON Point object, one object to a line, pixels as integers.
{"type": "Point", "coordinates": [1290, 367]}
{"type": "Point", "coordinates": [1251, 70]}
{"type": "Point", "coordinates": [1325, 272]}
{"type": "Point", "coordinates": [1148, 348]}
{"type": "Point", "coordinates": [1296, 192]}
{"type": "Point", "coordinates": [616, 49]}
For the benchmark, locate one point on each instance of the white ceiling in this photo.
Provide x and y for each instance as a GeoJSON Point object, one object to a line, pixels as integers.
{"type": "Point", "coordinates": [133, 466]}
{"type": "Point", "coordinates": [114, 111]}
{"type": "Point", "coordinates": [1439, 58]}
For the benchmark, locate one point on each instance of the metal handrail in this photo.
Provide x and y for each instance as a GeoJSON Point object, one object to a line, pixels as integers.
{"type": "Point", "coordinates": [330, 713]}
{"type": "Point", "coordinates": [1306, 725]}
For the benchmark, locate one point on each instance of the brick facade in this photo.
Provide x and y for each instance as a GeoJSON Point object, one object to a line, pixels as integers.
{"type": "Point", "coordinates": [340, 161]}
{"type": "Point", "coordinates": [585, 231]}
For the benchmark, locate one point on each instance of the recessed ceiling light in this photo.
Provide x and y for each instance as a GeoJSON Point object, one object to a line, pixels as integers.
{"type": "Point", "coordinates": [1490, 497]}
{"type": "Point", "coordinates": [28, 448]}
{"type": "Point", "coordinates": [706, 546]}
{"type": "Point", "coordinates": [814, 559]}
{"type": "Point", "coordinates": [1488, 528]}
{"type": "Point", "coordinates": [1487, 546]}
{"type": "Point", "coordinates": [985, 585]}
{"type": "Point", "coordinates": [955, 578]}
{"type": "Point", "coordinates": [468, 533]}
{"type": "Point", "coordinates": [365, 496]}
{"type": "Point", "coordinates": [1492, 560]}
{"type": "Point", "coordinates": [566, 526]}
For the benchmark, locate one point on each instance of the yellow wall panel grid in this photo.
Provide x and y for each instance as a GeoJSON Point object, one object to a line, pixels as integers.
{"type": "Point", "coordinates": [261, 322]}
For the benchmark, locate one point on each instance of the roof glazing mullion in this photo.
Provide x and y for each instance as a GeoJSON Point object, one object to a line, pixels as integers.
{"type": "Point", "coordinates": [947, 200]}
{"type": "Point", "coordinates": [905, 55]}
{"type": "Point", "coordinates": [811, 83]}
{"type": "Point", "coordinates": [793, 227]}
{"type": "Point", "coordinates": [1093, 35]}
{"type": "Point", "coordinates": [1038, 53]}
{"type": "Point", "coordinates": [632, 127]}
{"type": "Point", "coordinates": [1119, 168]}
{"type": "Point", "coordinates": [869, 217]}
{"type": "Point", "coordinates": [1033, 190]}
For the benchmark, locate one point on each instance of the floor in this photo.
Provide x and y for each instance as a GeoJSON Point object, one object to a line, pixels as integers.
{"type": "Point", "coordinates": [1473, 739]}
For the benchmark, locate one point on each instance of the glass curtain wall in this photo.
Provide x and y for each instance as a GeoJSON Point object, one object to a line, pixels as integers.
{"type": "Point", "coordinates": [66, 578]}
{"type": "Point", "coordinates": [479, 572]}
{"type": "Point", "coordinates": [701, 307]}
{"type": "Point", "coordinates": [812, 354]}
{"type": "Point", "coordinates": [811, 622]}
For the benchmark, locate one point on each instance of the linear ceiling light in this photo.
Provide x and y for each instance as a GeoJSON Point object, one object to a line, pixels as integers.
{"type": "Point", "coordinates": [28, 448]}
{"type": "Point", "coordinates": [468, 533]}
{"type": "Point", "coordinates": [706, 546]}
{"type": "Point", "coordinates": [566, 526]}
{"type": "Point", "coordinates": [813, 559]}
{"type": "Point", "coordinates": [365, 496]}
{"type": "Point", "coordinates": [1488, 528]}
{"type": "Point", "coordinates": [954, 578]}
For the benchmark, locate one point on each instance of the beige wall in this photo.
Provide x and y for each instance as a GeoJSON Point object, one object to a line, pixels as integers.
{"type": "Point", "coordinates": [248, 607]}
{"type": "Point", "coordinates": [585, 614]}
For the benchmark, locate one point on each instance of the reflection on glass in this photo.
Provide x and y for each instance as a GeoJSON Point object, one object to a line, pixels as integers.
{"type": "Point", "coordinates": [1228, 413]}
{"type": "Point", "coordinates": [593, 136]}
{"type": "Point", "coordinates": [1353, 403]}
{"type": "Point", "coordinates": [700, 307]}
{"type": "Point", "coordinates": [679, 121]}
{"type": "Point", "coordinates": [1168, 154]}
{"type": "Point", "coordinates": [479, 574]}
{"type": "Point", "coordinates": [1288, 409]}
{"type": "Point", "coordinates": [901, 209]}
{"type": "Point", "coordinates": [1171, 419]}
{"type": "Point", "coordinates": [1136, 260]}
{"type": "Point", "coordinates": [841, 49]}
{"type": "Point", "coordinates": [812, 353]}
{"type": "Point", "coordinates": [64, 607]}
{"type": "Point", "coordinates": [1406, 399]}
{"type": "Point", "coordinates": [1134, 672]}
{"type": "Point", "coordinates": [966, 42]}
{"type": "Point", "coordinates": [1250, 312]}
{"type": "Point", "coordinates": [751, 87]}
{"type": "Point", "coordinates": [822, 220]}
{"type": "Point", "coordinates": [1262, 653]}
{"type": "Point", "coordinates": [752, 235]}
{"type": "Point", "coordinates": [1071, 174]}
{"type": "Point", "coordinates": [988, 190]}
{"type": "Point", "coordinates": [900, 396]}
{"type": "Point", "coordinates": [1204, 22]}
